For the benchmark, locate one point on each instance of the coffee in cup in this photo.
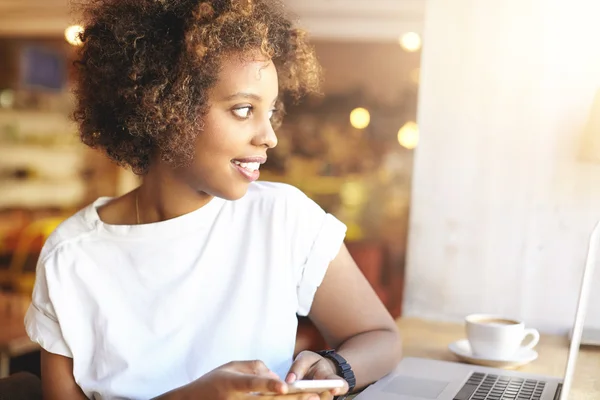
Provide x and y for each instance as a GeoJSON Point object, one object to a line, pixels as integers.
{"type": "Point", "coordinates": [496, 337]}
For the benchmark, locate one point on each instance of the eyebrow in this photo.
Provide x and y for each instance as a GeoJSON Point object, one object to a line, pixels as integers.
{"type": "Point", "coordinates": [245, 95]}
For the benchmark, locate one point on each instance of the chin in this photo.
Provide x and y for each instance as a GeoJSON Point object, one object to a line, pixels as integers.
{"type": "Point", "coordinates": [233, 193]}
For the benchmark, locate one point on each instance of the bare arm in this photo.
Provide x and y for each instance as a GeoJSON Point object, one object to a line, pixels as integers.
{"type": "Point", "coordinates": [57, 378]}
{"type": "Point", "coordinates": [231, 381]}
{"type": "Point", "coordinates": [352, 319]}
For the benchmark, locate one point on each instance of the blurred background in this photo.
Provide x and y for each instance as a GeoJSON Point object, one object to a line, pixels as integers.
{"type": "Point", "coordinates": [351, 150]}
{"type": "Point", "coordinates": [458, 140]}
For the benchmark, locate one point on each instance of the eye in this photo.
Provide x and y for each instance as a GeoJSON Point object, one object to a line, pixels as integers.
{"type": "Point", "coordinates": [242, 112]}
{"type": "Point", "coordinates": [271, 113]}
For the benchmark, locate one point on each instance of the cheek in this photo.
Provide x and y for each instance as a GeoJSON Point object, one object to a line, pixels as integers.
{"type": "Point", "coordinates": [219, 140]}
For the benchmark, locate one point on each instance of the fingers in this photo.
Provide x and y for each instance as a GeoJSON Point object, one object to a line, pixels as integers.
{"type": "Point", "coordinates": [326, 396]}
{"type": "Point", "coordinates": [324, 369]}
{"type": "Point", "coordinates": [254, 367]}
{"type": "Point", "coordinates": [303, 362]}
{"type": "Point", "coordinates": [243, 383]}
{"type": "Point", "coordinates": [299, 396]}
{"type": "Point", "coordinates": [254, 377]}
{"type": "Point", "coordinates": [339, 391]}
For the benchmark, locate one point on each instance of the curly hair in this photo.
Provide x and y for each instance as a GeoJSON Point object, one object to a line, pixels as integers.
{"type": "Point", "coordinates": [145, 68]}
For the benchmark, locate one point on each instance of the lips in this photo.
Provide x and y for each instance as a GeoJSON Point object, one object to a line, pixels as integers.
{"type": "Point", "coordinates": [248, 166]}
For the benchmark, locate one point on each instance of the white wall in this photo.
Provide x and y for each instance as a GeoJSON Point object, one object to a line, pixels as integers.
{"type": "Point", "coordinates": [357, 20]}
{"type": "Point", "coordinates": [501, 205]}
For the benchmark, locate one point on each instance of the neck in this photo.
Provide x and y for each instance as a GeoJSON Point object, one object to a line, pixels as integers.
{"type": "Point", "coordinates": [163, 196]}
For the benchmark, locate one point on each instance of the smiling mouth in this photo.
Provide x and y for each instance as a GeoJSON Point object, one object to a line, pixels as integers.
{"type": "Point", "coordinates": [249, 166]}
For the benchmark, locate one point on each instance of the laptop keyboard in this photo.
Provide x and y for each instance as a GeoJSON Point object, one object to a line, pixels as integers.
{"type": "Point", "coordinates": [481, 386]}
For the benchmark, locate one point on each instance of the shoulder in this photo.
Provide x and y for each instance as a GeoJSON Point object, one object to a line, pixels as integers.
{"type": "Point", "coordinates": [279, 201]}
{"type": "Point", "coordinates": [76, 228]}
{"type": "Point", "coordinates": [277, 198]}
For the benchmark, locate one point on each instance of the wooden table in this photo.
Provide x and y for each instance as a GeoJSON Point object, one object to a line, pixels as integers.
{"type": "Point", "coordinates": [430, 340]}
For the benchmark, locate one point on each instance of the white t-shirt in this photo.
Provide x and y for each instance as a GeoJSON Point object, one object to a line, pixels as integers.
{"type": "Point", "coordinates": [144, 309]}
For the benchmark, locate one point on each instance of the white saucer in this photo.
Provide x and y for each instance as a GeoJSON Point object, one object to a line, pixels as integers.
{"type": "Point", "coordinates": [462, 350]}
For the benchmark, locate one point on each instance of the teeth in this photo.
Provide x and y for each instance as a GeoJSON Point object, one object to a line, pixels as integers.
{"type": "Point", "coordinates": [251, 166]}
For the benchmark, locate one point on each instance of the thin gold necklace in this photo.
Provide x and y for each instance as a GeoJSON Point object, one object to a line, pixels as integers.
{"type": "Point", "coordinates": [137, 208]}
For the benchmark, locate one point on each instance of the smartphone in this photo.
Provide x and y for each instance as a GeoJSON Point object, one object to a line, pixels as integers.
{"type": "Point", "coordinates": [310, 386]}
{"type": "Point", "coordinates": [315, 386]}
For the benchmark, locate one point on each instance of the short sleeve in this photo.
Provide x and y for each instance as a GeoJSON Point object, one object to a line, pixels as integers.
{"type": "Point", "coordinates": [41, 323]}
{"type": "Point", "coordinates": [316, 241]}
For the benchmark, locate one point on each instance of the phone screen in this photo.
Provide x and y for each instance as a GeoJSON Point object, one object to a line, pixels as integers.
{"type": "Point", "coordinates": [315, 386]}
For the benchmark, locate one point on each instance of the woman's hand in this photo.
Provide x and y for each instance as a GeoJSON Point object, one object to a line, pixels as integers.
{"type": "Point", "coordinates": [310, 365]}
{"type": "Point", "coordinates": [238, 380]}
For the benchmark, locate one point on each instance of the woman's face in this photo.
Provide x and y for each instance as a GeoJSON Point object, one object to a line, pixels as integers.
{"type": "Point", "coordinates": [237, 128]}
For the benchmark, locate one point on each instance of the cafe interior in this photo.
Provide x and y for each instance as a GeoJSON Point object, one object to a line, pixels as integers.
{"type": "Point", "coordinates": [458, 141]}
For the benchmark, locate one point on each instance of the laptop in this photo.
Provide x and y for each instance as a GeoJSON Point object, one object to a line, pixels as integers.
{"type": "Point", "coordinates": [426, 379]}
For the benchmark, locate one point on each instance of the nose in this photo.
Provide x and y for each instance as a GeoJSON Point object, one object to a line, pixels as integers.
{"type": "Point", "coordinates": [265, 136]}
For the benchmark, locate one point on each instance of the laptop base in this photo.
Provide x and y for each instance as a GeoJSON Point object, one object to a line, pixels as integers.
{"type": "Point", "coordinates": [425, 379]}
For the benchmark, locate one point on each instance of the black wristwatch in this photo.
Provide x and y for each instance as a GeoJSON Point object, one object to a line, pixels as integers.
{"type": "Point", "coordinates": [343, 369]}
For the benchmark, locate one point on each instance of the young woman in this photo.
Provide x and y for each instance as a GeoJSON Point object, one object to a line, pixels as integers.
{"type": "Point", "coordinates": [189, 286]}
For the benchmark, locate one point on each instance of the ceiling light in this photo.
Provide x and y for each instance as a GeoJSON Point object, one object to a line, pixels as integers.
{"type": "Point", "coordinates": [72, 34]}
{"type": "Point", "coordinates": [408, 135]}
{"type": "Point", "coordinates": [410, 41]}
{"type": "Point", "coordinates": [360, 118]}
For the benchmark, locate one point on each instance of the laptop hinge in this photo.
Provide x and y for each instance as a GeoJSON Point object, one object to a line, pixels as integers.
{"type": "Point", "coordinates": [558, 391]}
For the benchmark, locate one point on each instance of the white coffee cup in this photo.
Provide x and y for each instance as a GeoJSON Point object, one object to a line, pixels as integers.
{"type": "Point", "coordinates": [496, 337]}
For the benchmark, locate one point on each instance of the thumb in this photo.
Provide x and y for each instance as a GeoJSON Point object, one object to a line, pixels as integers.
{"type": "Point", "coordinates": [301, 365]}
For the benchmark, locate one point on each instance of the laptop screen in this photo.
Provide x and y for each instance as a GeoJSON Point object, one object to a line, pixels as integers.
{"type": "Point", "coordinates": [584, 294]}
